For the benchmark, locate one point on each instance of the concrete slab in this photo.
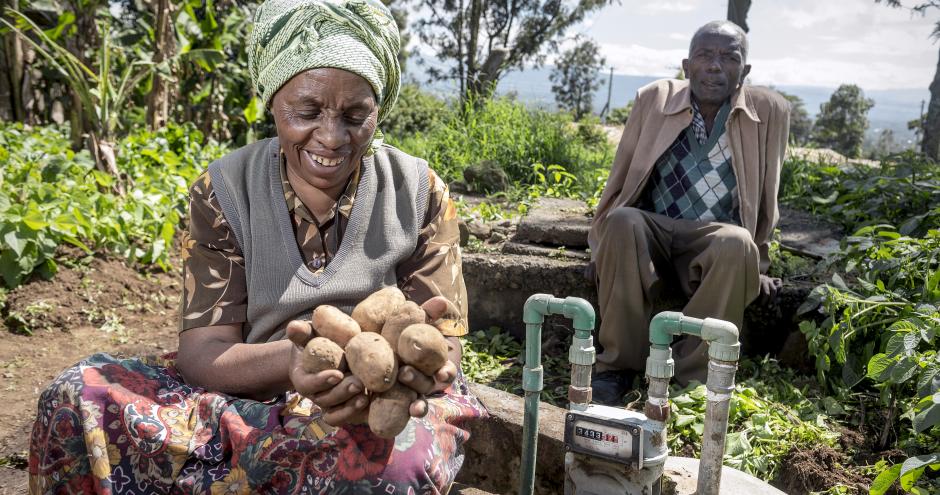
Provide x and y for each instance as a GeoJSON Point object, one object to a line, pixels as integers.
{"type": "Point", "coordinates": [807, 233]}
{"type": "Point", "coordinates": [461, 489]}
{"type": "Point", "coordinates": [511, 247]}
{"type": "Point", "coordinates": [499, 284]}
{"type": "Point", "coordinates": [684, 472]}
{"type": "Point", "coordinates": [493, 453]}
{"type": "Point", "coordinates": [494, 450]}
{"type": "Point", "coordinates": [556, 222]}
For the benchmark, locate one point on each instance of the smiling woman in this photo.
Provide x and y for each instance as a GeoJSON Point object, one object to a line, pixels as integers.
{"type": "Point", "coordinates": [322, 214]}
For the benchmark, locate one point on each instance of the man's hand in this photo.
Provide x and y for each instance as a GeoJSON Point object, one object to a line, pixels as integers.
{"type": "Point", "coordinates": [769, 291]}
{"type": "Point", "coordinates": [341, 398]}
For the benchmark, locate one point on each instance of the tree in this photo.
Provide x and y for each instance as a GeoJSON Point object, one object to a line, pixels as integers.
{"type": "Point", "coordinates": [481, 39]}
{"type": "Point", "coordinates": [620, 115]}
{"type": "Point", "coordinates": [400, 14]}
{"type": "Point", "coordinates": [930, 145]}
{"type": "Point", "coordinates": [801, 125]}
{"type": "Point", "coordinates": [164, 47]}
{"type": "Point", "coordinates": [884, 145]}
{"type": "Point", "coordinates": [575, 78]}
{"type": "Point", "coordinates": [843, 120]}
{"type": "Point", "coordinates": [737, 12]}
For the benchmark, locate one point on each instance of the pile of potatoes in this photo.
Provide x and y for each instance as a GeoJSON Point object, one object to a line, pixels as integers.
{"type": "Point", "coordinates": [383, 331]}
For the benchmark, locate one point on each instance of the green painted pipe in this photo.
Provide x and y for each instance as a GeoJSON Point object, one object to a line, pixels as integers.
{"type": "Point", "coordinates": [533, 314]}
{"type": "Point", "coordinates": [668, 324]}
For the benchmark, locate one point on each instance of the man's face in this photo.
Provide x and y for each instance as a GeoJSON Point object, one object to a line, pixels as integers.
{"type": "Point", "coordinates": [715, 67]}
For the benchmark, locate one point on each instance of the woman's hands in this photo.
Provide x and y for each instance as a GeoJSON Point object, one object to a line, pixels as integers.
{"type": "Point", "coordinates": [342, 398]}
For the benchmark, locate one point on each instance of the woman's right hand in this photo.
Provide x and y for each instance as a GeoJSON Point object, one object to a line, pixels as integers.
{"type": "Point", "coordinates": [341, 398]}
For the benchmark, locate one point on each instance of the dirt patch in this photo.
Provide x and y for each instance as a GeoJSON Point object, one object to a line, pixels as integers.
{"type": "Point", "coordinates": [92, 305]}
{"type": "Point", "coordinates": [818, 469]}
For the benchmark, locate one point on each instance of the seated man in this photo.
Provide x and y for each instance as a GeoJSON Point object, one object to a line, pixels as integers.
{"type": "Point", "coordinates": [690, 205]}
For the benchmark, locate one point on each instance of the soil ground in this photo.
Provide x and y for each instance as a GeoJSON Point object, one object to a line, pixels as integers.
{"type": "Point", "coordinates": [97, 305]}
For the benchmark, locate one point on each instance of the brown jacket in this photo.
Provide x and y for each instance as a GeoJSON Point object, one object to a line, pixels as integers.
{"type": "Point", "coordinates": [758, 129]}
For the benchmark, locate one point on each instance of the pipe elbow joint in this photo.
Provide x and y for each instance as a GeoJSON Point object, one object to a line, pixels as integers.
{"type": "Point", "coordinates": [535, 309]}
{"type": "Point", "coordinates": [663, 326]}
{"type": "Point", "coordinates": [581, 313]}
{"type": "Point", "coordinates": [722, 338]}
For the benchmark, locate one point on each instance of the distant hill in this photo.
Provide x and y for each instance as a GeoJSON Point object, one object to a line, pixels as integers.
{"type": "Point", "coordinates": [893, 108]}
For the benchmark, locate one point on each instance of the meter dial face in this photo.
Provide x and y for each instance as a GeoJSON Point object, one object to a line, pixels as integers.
{"type": "Point", "coordinates": [606, 440]}
{"type": "Point", "coordinates": [615, 439]}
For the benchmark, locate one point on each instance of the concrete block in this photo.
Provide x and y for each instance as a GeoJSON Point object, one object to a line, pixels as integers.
{"type": "Point", "coordinates": [493, 453]}
{"type": "Point", "coordinates": [556, 222]}
{"type": "Point", "coordinates": [498, 286]}
{"type": "Point", "coordinates": [806, 233]}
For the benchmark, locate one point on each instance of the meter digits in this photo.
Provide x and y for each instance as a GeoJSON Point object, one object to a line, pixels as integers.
{"type": "Point", "coordinates": [611, 439]}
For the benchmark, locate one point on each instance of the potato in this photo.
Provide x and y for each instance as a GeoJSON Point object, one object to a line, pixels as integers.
{"type": "Point", "coordinates": [372, 312]}
{"type": "Point", "coordinates": [388, 414]}
{"type": "Point", "coordinates": [422, 346]}
{"type": "Point", "coordinates": [332, 323]}
{"type": "Point", "coordinates": [408, 313]}
{"type": "Point", "coordinates": [371, 359]}
{"type": "Point", "coordinates": [322, 354]}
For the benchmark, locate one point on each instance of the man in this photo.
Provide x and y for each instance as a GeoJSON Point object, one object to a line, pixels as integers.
{"type": "Point", "coordinates": [689, 207]}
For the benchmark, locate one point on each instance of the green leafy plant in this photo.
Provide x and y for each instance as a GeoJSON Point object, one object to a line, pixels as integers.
{"type": "Point", "coordinates": [769, 416]}
{"type": "Point", "coordinates": [904, 191]}
{"type": "Point", "coordinates": [507, 133]}
{"type": "Point", "coordinates": [880, 330]}
{"type": "Point", "coordinates": [51, 196]}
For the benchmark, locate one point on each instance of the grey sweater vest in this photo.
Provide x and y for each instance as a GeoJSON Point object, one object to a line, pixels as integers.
{"type": "Point", "coordinates": [387, 215]}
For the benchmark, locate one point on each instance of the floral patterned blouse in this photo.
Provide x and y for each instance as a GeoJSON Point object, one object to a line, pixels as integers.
{"type": "Point", "coordinates": [214, 285]}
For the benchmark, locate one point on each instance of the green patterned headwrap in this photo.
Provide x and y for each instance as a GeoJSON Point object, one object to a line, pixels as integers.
{"type": "Point", "coordinates": [292, 36]}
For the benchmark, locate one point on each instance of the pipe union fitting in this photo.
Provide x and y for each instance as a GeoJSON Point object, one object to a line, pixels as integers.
{"type": "Point", "coordinates": [724, 352]}
{"type": "Point", "coordinates": [660, 364]}
{"type": "Point", "coordinates": [582, 351]}
{"type": "Point", "coordinates": [532, 379]}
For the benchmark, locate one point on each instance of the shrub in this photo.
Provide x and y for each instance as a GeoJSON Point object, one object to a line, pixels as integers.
{"type": "Point", "coordinates": [51, 195]}
{"type": "Point", "coordinates": [904, 191]}
{"type": "Point", "coordinates": [416, 112]}
{"type": "Point", "coordinates": [507, 133]}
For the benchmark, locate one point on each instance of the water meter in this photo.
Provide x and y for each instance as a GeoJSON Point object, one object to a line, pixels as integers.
{"type": "Point", "coordinates": [613, 451]}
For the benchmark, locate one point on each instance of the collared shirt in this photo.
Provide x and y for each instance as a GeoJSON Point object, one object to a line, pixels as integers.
{"type": "Point", "coordinates": [214, 282]}
{"type": "Point", "coordinates": [694, 178]}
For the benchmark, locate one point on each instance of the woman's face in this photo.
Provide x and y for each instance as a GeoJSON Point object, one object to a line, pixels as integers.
{"type": "Point", "coordinates": [325, 119]}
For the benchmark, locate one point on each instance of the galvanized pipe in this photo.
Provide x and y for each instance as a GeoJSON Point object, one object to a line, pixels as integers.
{"type": "Point", "coordinates": [724, 350]}
{"type": "Point", "coordinates": [581, 355]}
{"type": "Point", "coordinates": [720, 385]}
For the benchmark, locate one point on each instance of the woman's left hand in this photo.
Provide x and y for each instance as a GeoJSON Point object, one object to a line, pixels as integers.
{"type": "Point", "coordinates": [436, 308]}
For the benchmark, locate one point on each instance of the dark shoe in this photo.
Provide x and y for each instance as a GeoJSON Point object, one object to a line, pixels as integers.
{"type": "Point", "coordinates": [610, 386]}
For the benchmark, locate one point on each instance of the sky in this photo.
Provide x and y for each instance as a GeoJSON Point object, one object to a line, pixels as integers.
{"type": "Point", "coordinates": [792, 42]}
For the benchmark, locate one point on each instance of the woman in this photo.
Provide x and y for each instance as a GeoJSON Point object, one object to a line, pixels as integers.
{"type": "Point", "coordinates": [322, 214]}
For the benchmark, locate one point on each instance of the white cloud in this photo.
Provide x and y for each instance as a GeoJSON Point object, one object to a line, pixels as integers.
{"type": "Point", "coordinates": [870, 75]}
{"type": "Point", "coordinates": [669, 7]}
{"type": "Point", "coordinates": [679, 36]}
{"type": "Point", "coordinates": [641, 60]}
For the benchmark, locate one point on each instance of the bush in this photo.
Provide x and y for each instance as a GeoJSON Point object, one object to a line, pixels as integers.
{"type": "Point", "coordinates": [416, 112]}
{"type": "Point", "coordinates": [51, 195]}
{"type": "Point", "coordinates": [620, 115]}
{"type": "Point", "coordinates": [507, 133]}
{"type": "Point", "coordinates": [903, 191]}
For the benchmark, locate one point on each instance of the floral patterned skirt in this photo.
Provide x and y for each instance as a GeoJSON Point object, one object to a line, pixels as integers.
{"type": "Point", "coordinates": [133, 426]}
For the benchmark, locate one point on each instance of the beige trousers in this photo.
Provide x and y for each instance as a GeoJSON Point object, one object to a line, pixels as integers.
{"type": "Point", "coordinates": [643, 257]}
